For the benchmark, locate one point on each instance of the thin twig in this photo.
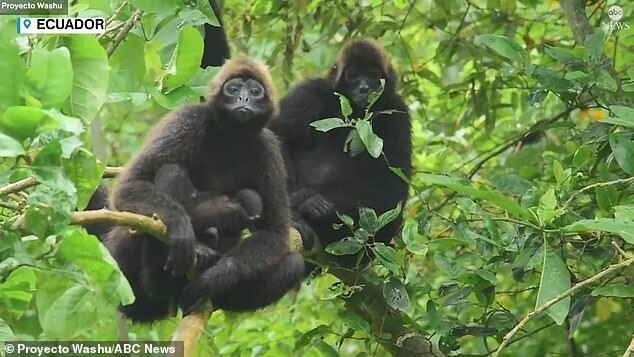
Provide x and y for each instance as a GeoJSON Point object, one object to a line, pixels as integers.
{"type": "Point", "coordinates": [28, 182]}
{"type": "Point", "coordinates": [136, 16]}
{"type": "Point", "coordinates": [595, 185]}
{"type": "Point", "coordinates": [507, 338]}
{"type": "Point", "coordinates": [630, 349]}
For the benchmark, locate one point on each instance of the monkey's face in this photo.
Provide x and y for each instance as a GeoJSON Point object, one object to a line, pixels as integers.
{"type": "Point", "coordinates": [245, 98]}
{"type": "Point", "coordinates": [357, 84]}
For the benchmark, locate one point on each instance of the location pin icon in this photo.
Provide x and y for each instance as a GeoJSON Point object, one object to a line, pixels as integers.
{"type": "Point", "coordinates": [27, 23]}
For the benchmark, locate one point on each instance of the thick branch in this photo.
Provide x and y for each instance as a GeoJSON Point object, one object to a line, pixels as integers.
{"type": "Point", "coordinates": [630, 349]}
{"type": "Point", "coordinates": [565, 294]}
{"type": "Point", "coordinates": [141, 223]}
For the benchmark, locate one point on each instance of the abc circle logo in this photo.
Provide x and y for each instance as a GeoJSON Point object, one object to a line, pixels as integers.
{"type": "Point", "coordinates": [615, 13]}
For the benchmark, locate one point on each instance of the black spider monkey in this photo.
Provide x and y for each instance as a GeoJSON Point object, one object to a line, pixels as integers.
{"type": "Point", "coordinates": [223, 146]}
{"type": "Point", "coordinates": [323, 179]}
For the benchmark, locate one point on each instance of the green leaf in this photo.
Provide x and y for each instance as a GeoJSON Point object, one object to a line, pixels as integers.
{"type": "Point", "coordinates": [555, 279]}
{"type": "Point", "coordinates": [547, 210]}
{"type": "Point", "coordinates": [325, 125]}
{"type": "Point", "coordinates": [325, 349]}
{"type": "Point", "coordinates": [64, 122]}
{"type": "Point", "coordinates": [370, 140]}
{"type": "Point", "coordinates": [86, 173]}
{"type": "Point", "coordinates": [51, 76]}
{"type": "Point", "coordinates": [503, 46]}
{"type": "Point", "coordinates": [6, 334]}
{"type": "Point", "coordinates": [594, 43]}
{"type": "Point", "coordinates": [354, 321]}
{"type": "Point", "coordinates": [22, 122]}
{"type": "Point", "coordinates": [69, 313]}
{"type": "Point", "coordinates": [90, 76]}
{"type": "Point", "coordinates": [353, 144]}
{"type": "Point", "coordinates": [481, 193]}
{"type": "Point", "coordinates": [9, 147]}
{"type": "Point", "coordinates": [559, 172]}
{"type": "Point", "coordinates": [185, 59]}
{"type": "Point", "coordinates": [374, 96]}
{"type": "Point", "coordinates": [623, 150]}
{"type": "Point", "coordinates": [12, 69]}
{"type": "Point", "coordinates": [623, 116]}
{"type": "Point", "coordinates": [347, 220]}
{"type": "Point", "coordinates": [344, 103]}
{"type": "Point", "coordinates": [309, 335]}
{"type": "Point", "coordinates": [367, 219]}
{"type": "Point", "coordinates": [411, 238]}
{"type": "Point", "coordinates": [566, 55]}
{"type": "Point", "coordinates": [389, 216]}
{"type": "Point", "coordinates": [387, 257]}
{"type": "Point", "coordinates": [344, 247]}
{"type": "Point", "coordinates": [624, 229]}
{"type": "Point", "coordinates": [396, 295]}
{"type": "Point", "coordinates": [615, 290]}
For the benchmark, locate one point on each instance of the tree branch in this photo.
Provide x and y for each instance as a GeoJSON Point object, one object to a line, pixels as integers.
{"type": "Point", "coordinates": [28, 182]}
{"type": "Point", "coordinates": [150, 225]}
{"type": "Point", "coordinates": [136, 16]}
{"type": "Point", "coordinates": [630, 349]}
{"type": "Point", "coordinates": [507, 338]}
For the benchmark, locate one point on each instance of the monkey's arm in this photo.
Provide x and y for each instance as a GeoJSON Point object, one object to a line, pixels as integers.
{"type": "Point", "coordinates": [136, 191]}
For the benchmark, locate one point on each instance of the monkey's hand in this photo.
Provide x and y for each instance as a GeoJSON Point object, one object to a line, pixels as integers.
{"type": "Point", "coordinates": [308, 234]}
{"type": "Point", "coordinates": [213, 281]}
{"type": "Point", "coordinates": [315, 207]}
{"type": "Point", "coordinates": [205, 257]}
{"type": "Point", "coordinates": [182, 242]}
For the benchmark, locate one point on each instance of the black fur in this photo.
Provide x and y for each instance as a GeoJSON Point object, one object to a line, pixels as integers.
{"type": "Point", "coordinates": [216, 46]}
{"type": "Point", "coordinates": [323, 178]}
{"type": "Point", "coordinates": [222, 155]}
{"type": "Point", "coordinates": [98, 200]}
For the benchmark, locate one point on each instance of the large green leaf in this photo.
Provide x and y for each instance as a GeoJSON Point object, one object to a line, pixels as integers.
{"type": "Point", "coordinates": [370, 140]}
{"type": "Point", "coordinates": [328, 124]}
{"type": "Point", "coordinates": [11, 69]}
{"type": "Point", "coordinates": [624, 229]}
{"type": "Point", "coordinates": [50, 76]}
{"type": "Point", "coordinates": [615, 290]}
{"type": "Point", "coordinates": [460, 186]}
{"type": "Point", "coordinates": [162, 7]}
{"type": "Point", "coordinates": [22, 122]}
{"type": "Point", "coordinates": [6, 334]}
{"type": "Point", "coordinates": [555, 279]}
{"type": "Point", "coordinates": [503, 46]}
{"type": "Point", "coordinates": [623, 116]}
{"type": "Point", "coordinates": [186, 58]}
{"type": "Point", "coordinates": [91, 74]}
{"type": "Point", "coordinates": [623, 150]}
{"type": "Point", "coordinates": [9, 147]}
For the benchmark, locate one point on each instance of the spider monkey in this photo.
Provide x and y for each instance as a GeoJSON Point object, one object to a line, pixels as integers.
{"type": "Point", "coordinates": [224, 147]}
{"type": "Point", "coordinates": [323, 179]}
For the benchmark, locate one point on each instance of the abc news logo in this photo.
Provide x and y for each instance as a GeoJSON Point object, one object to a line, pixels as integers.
{"type": "Point", "coordinates": [615, 13]}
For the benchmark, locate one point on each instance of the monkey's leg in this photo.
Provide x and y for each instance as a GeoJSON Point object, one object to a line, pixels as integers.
{"type": "Point", "coordinates": [266, 289]}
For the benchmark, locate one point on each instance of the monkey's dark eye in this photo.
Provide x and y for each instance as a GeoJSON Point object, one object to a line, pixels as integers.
{"type": "Point", "coordinates": [255, 92]}
{"type": "Point", "coordinates": [233, 90]}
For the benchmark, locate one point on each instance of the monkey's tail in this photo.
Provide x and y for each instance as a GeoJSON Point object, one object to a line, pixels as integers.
{"type": "Point", "coordinates": [98, 200]}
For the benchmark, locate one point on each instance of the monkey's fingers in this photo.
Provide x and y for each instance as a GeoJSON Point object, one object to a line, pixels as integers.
{"type": "Point", "coordinates": [180, 257]}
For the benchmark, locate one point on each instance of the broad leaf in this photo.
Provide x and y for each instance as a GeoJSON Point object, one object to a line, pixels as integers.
{"type": "Point", "coordinates": [51, 76]}
{"type": "Point", "coordinates": [503, 46]}
{"type": "Point", "coordinates": [624, 229]}
{"type": "Point", "coordinates": [623, 150]}
{"type": "Point", "coordinates": [9, 147]}
{"type": "Point", "coordinates": [325, 125]}
{"type": "Point", "coordinates": [555, 279]}
{"type": "Point", "coordinates": [481, 193]}
{"type": "Point", "coordinates": [90, 76]}
{"type": "Point", "coordinates": [623, 116]}
{"type": "Point", "coordinates": [185, 59]}
{"type": "Point", "coordinates": [370, 140]}
{"type": "Point", "coordinates": [344, 247]}
{"type": "Point", "coordinates": [615, 290]}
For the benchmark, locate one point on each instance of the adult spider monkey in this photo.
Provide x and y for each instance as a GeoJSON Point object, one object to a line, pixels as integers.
{"type": "Point", "coordinates": [324, 179]}
{"type": "Point", "coordinates": [224, 147]}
